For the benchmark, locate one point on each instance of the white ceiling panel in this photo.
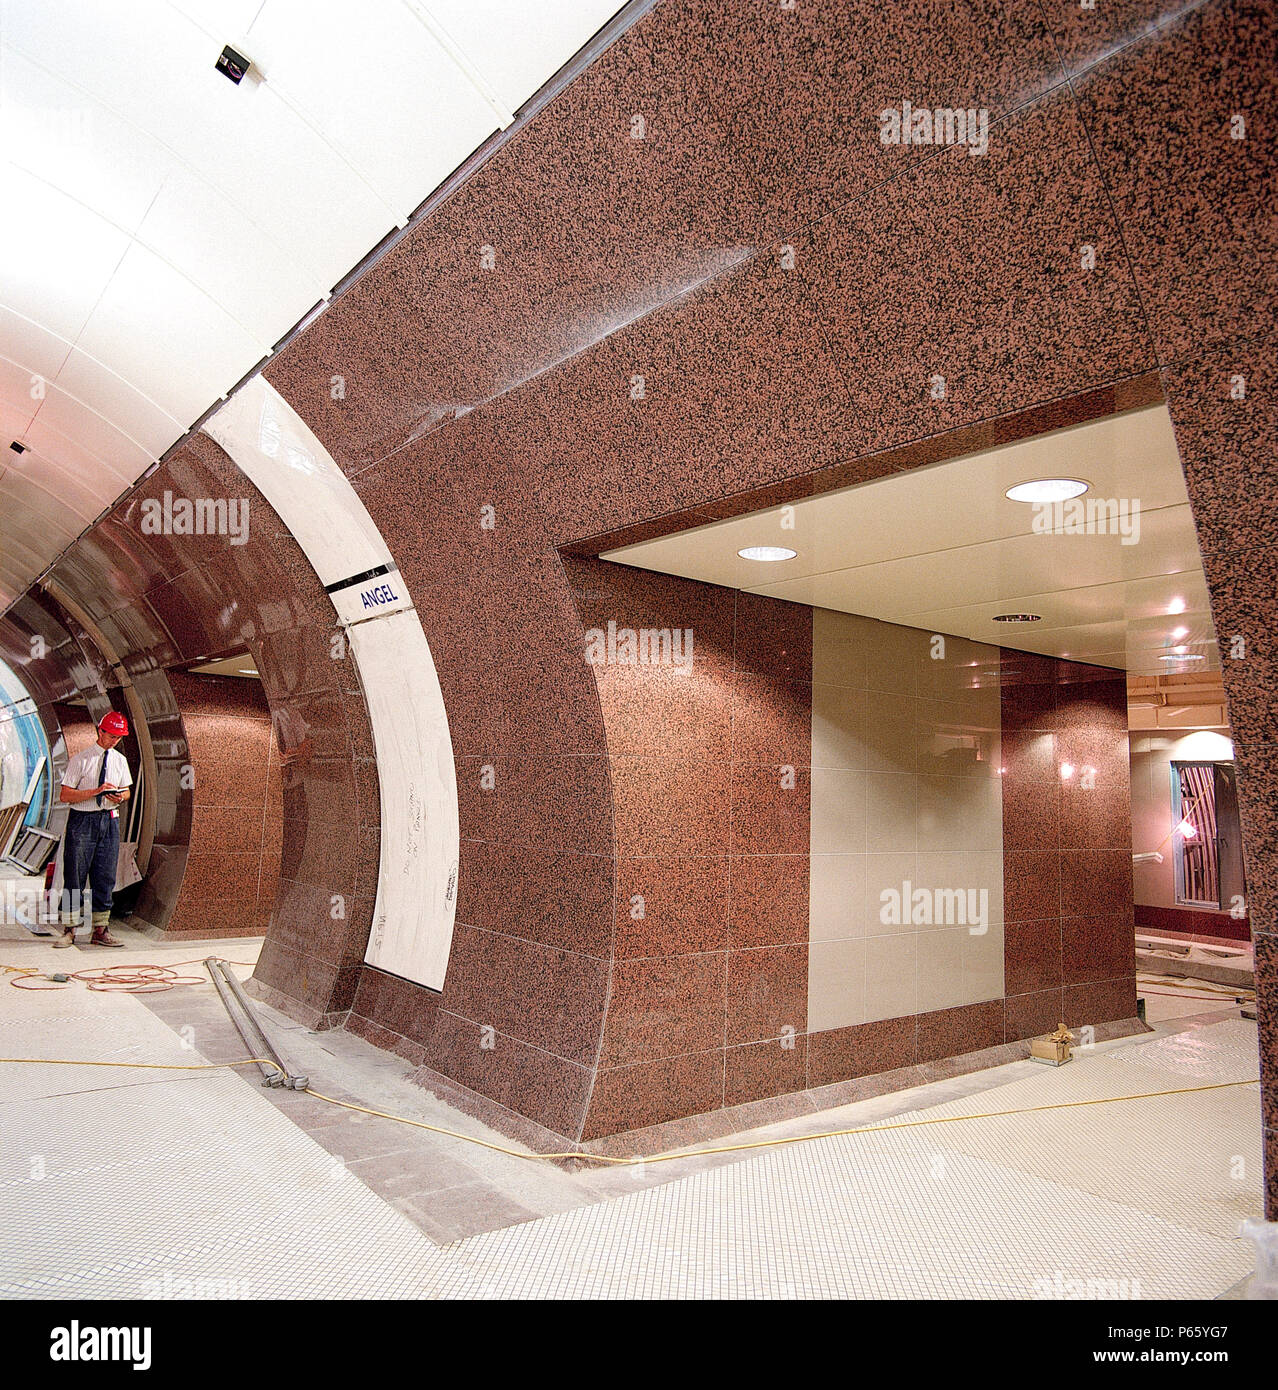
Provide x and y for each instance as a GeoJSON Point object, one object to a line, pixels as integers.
{"type": "Point", "coordinates": [32, 347]}
{"type": "Point", "coordinates": [165, 227]}
{"type": "Point", "coordinates": [55, 254]}
{"type": "Point", "coordinates": [148, 323]}
{"type": "Point", "coordinates": [70, 417]}
{"type": "Point", "coordinates": [517, 45]}
{"type": "Point", "coordinates": [943, 549]}
{"type": "Point", "coordinates": [335, 73]}
{"type": "Point", "coordinates": [68, 496]}
{"type": "Point", "coordinates": [133, 413]}
{"type": "Point", "coordinates": [254, 278]}
{"type": "Point", "coordinates": [62, 135]}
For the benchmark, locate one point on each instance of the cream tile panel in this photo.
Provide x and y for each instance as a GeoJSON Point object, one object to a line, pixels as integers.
{"type": "Point", "coordinates": [836, 984]}
{"type": "Point", "coordinates": [838, 811]}
{"type": "Point", "coordinates": [838, 727]}
{"type": "Point", "coordinates": [892, 811]}
{"type": "Point", "coordinates": [837, 898]}
{"type": "Point", "coordinates": [940, 968]}
{"type": "Point", "coordinates": [906, 749]}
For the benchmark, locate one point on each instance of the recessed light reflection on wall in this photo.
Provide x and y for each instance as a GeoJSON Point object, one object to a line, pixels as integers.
{"type": "Point", "coordinates": [767, 553]}
{"type": "Point", "coordinates": [1047, 490]}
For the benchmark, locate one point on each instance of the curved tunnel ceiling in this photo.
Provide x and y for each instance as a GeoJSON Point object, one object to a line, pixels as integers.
{"type": "Point", "coordinates": [164, 228]}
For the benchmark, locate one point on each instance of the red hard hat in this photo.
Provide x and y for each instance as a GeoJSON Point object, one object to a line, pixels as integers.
{"type": "Point", "coordinates": [114, 724]}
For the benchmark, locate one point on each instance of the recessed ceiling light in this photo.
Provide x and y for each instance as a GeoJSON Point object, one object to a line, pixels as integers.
{"type": "Point", "coordinates": [246, 673]}
{"type": "Point", "coordinates": [1047, 490]}
{"type": "Point", "coordinates": [1179, 632]}
{"type": "Point", "coordinates": [1184, 656]}
{"type": "Point", "coordinates": [1019, 618]}
{"type": "Point", "coordinates": [767, 552]}
{"type": "Point", "coordinates": [1177, 605]}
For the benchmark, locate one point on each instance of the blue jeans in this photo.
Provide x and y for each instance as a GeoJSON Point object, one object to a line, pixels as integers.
{"type": "Point", "coordinates": [92, 851]}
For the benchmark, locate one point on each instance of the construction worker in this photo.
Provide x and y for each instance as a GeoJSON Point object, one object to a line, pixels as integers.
{"type": "Point", "coordinates": [95, 784]}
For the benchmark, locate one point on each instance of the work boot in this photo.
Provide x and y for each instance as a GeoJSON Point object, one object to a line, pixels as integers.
{"type": "Point", "coordinates": [66, 939]}
{"type": "Point", "coordinates": [101, 935]}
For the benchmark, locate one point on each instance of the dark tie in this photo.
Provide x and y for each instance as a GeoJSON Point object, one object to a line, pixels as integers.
{"type": "Point", "coordinates": [106, 753]}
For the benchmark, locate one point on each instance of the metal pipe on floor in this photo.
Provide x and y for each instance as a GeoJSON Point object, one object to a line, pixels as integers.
{"type": "Point", "coordinates": [254, 1035]}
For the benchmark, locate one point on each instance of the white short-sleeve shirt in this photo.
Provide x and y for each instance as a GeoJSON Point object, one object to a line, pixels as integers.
{"type": "Point", "coordinates": [84, 771]}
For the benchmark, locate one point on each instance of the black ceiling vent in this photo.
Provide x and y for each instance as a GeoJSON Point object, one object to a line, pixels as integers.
{"type": "Point", "coordinates": [18, 448]}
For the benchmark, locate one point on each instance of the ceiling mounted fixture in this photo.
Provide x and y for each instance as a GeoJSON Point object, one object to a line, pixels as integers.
{"type": "Point", "coordinates": [18, 448]}
{"type": "Point", "coordinates": [233, 65]}
{"type": "Point", "coordinates": [767, 553]}
{"type": "Point", "coordinates": [1047, 490]}
{"type": "Point", "coordinates": [1184, 656]}
{"type": "Point", "coordinates": [1177, 605]}
{"type": "Point", "coordinates": [1018, 618]}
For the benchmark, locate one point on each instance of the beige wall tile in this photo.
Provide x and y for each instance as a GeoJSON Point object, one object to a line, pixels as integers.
{"type": "Point", "coordinates": [836, 897]}
{"type": "Point", "coordinates": [983, 965]}
{"type": "Point", "coordinates": [836, 984]}
{"type": "Point", "coordinates": [905, 788]}
{"type": "Point", "coordinates": [891, 733]}
{"type": "Point", "coordinates": [891, 976]}
{"type": "Point", "coordinates": [965, 869]}
{"type": "Point", "coordinates": [839, 655]}
{"type": "Point", "coordinates": [893, 658]}
{"type": "Point", "coordinates": [891, 811]}
{"type": "Point", "coordinates": [838, 727]}
{"type": "Point", "coordinates": [959, 813]}
{"type": "Point", "coordinates": [882, 872]}
{"type": "Point", "coordinates": [940, 967]}
{"type": "Point", "coordinates": [838, 811]}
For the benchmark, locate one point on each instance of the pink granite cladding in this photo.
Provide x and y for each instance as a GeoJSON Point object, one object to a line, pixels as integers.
{"type": "Point", "coordinates": [1266, 961]}
{"type": "Point", "coordinates": [642, 355]}
{"type": "Point", "coordinates": [701, 800]}
{"type": "Point", "coordinates": [236, 834]}
{"type": "Point", "coordinates": [1195, 204]}
{"type": "Point", "coordinates": [1068, 936]}
{"type": "Point", "coordinates": [1212, 928]}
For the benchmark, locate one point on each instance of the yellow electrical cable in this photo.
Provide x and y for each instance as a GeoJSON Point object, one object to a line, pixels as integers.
{"type": "Point", "coordinates": [148, 1066]}
{"type": "Point", "coordinates": [791, 1139]}
{"type": "Point", "coordinates": [656, 1158]}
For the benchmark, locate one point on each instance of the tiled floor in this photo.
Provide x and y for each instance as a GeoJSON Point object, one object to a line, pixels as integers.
{"type": "Point", "coordinates": [129, 1184]}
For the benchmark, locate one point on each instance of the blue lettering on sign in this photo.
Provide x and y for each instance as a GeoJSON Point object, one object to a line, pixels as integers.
{"type": "Point", "coordinates": [380, 594]}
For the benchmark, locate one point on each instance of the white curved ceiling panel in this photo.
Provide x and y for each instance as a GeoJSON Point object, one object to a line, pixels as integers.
{"type": "Point", "coordinates": [521, 43]}
{"type": "Point", "coordinates": [165, 227]}
{"type": "Point", "coordinates": [402, 148]}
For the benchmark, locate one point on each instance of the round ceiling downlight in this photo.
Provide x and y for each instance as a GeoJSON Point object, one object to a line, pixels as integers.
{"type": "Point", "coordinates": [767, 553]}
{"type": "Point", "coordinates": [1047, 490]}
{"type": "Point", "coordinates": [1018, 618]}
